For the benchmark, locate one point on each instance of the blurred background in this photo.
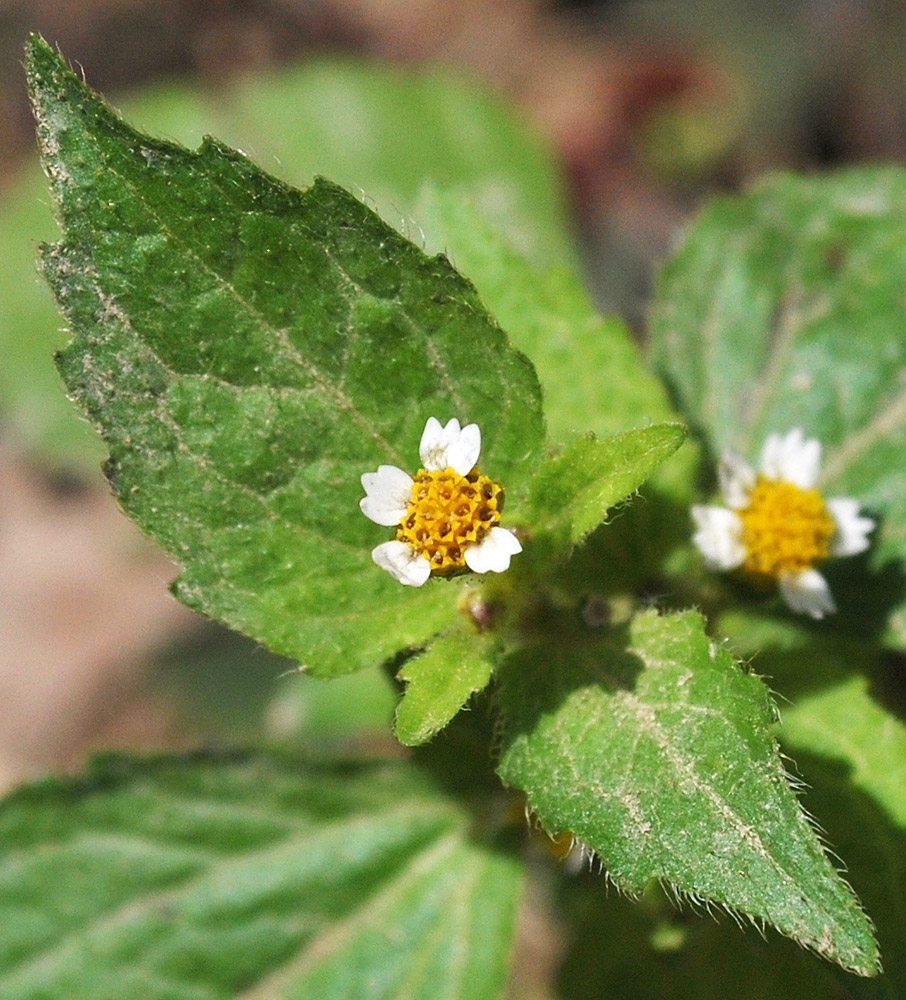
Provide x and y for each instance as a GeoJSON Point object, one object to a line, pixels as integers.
{"type": "Point", "coordinates": [648, 107]}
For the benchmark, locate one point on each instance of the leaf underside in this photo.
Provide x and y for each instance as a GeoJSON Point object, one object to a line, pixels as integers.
{"type": "Point", "coordinates": [658, 755]}
{"type": "Point", "coordinates": [248, 351]}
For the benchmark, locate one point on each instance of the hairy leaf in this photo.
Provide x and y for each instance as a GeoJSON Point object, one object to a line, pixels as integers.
{"type": "Point", "coordinates": [573, 491]}
{"type": "Point", "coordinates": [371, 127]}
{"type": "Point", "coordinates": [248, 351]}
{"type": "Point", "coordinates": [783, 308]}
{"type": "Point", "coordinates": [658, 754]}
{"type": "Point", "coordinates": [200, 878]}
{"type": "Point", "coordinates": [439, 682]}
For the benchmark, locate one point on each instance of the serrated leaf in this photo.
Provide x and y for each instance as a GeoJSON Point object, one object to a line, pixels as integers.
{"type": "Point", "coordinates": [371, 127]}
{"type": "Point", "coordinates": [439, 682]}
{"type": "Point", "coordinates": [783, 308]}
{"type": "Point", "coordinates": [248, 351]}
{"type": "Point", "coordinates": [202, 878]}
{"type": "Point", "coordinates": [658, 754]}
{"type": "Point", "coordinates": [573, 491]}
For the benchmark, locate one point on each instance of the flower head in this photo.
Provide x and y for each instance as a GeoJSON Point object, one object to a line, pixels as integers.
{"type": "Point", "coordinates": [446, 517]}
{"type": "Point", "coordinates": [777, 526]}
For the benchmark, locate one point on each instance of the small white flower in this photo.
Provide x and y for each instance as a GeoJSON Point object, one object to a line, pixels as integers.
{"type": "Point", "coordinates": [777, 526]}
{"type": "Point", "coordinates": [446, 517]}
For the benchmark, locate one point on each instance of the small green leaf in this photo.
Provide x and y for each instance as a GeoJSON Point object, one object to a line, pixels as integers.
{"type": "Point", "coordinates": [439, 682]}
{"type": "Point", "coordinates": [248, 351]}
{"type": "Point", "coordinates": [658, 754]}
{"type": "Point", "coordinates": [258, 876]}
{"type": "Point", "coordinates": [783, 308]}
{"type": "Point", "coordinates": [572, 492]}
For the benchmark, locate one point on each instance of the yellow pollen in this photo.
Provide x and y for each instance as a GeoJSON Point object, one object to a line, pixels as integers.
{"type": "Point", "coordinates": [448, 513]}
{"type": "Point", "coordinates": [784, 528]}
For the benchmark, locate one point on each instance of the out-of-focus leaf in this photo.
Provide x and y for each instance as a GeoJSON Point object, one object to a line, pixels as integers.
{"type": "Point", "coordinates": [249, 877]}
{"type": "Point", "coordinates": [783, 308]}
{"type": "Point", "coordinates": [593, 375]}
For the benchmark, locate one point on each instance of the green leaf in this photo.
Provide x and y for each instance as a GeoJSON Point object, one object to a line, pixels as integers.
{"type": "Point", "coordinates": [202, 878]}
{"type": "Point", "coordinates": [573, 491]}
{"type": "Point", "coordinates": [248, 351]}
{"type": "Point", "coordinates": [439, 682]}
{"type": "Point", "coordinates": [372, 127]}
{"type": "Point", "coordinates": [657, 753]}
{"type": "Point", "coordinates": [844, 723]}
{"type": "Point", "coordinates": [783, 308]}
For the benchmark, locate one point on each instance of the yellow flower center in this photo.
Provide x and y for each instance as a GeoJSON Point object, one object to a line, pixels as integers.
{"type": "Point", "coordinates": [447, 513]}
{"type": "Point", "coordinates": [784, 528]}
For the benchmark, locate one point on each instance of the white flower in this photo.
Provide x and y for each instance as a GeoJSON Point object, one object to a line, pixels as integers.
{"type": "Point", "coordinates": [777, 526]}
{"type": "Point", "coordinates": [446, 517]}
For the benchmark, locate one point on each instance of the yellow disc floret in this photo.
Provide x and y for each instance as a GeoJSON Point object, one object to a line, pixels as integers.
{"type": "Point", "coordinates": [785, 529]}
{"type": "Point", "coordinates": [448, 513]}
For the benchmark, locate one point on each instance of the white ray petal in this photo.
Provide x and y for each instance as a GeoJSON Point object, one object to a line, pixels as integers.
{"type": "Point", "coordinates": [719, 537]}
{"type": "Point", "coordinates": [736, 479]}
{"type": "Point", "coordinates": [463, 451]}
{"type": "Point", "coordinates": [451, 445]}
{"type": "Point", "coordinates": [493, 553]}
{"type": "Point", "coordinates": [402, 562]}
{"type": "Point", "coordinates": [388, 492]}
{"type": "Point", "coordinates": [852, 530]}
{"type": "Point", "coordinates": [807, 593]}
{"type": "Point", "coordinates": [792, 457]}
{"type": "Point", "coordinates": [432, 449]}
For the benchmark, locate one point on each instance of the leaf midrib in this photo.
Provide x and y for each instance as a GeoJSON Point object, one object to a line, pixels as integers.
{"type": "Point", "coordinates": [321, 947]}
